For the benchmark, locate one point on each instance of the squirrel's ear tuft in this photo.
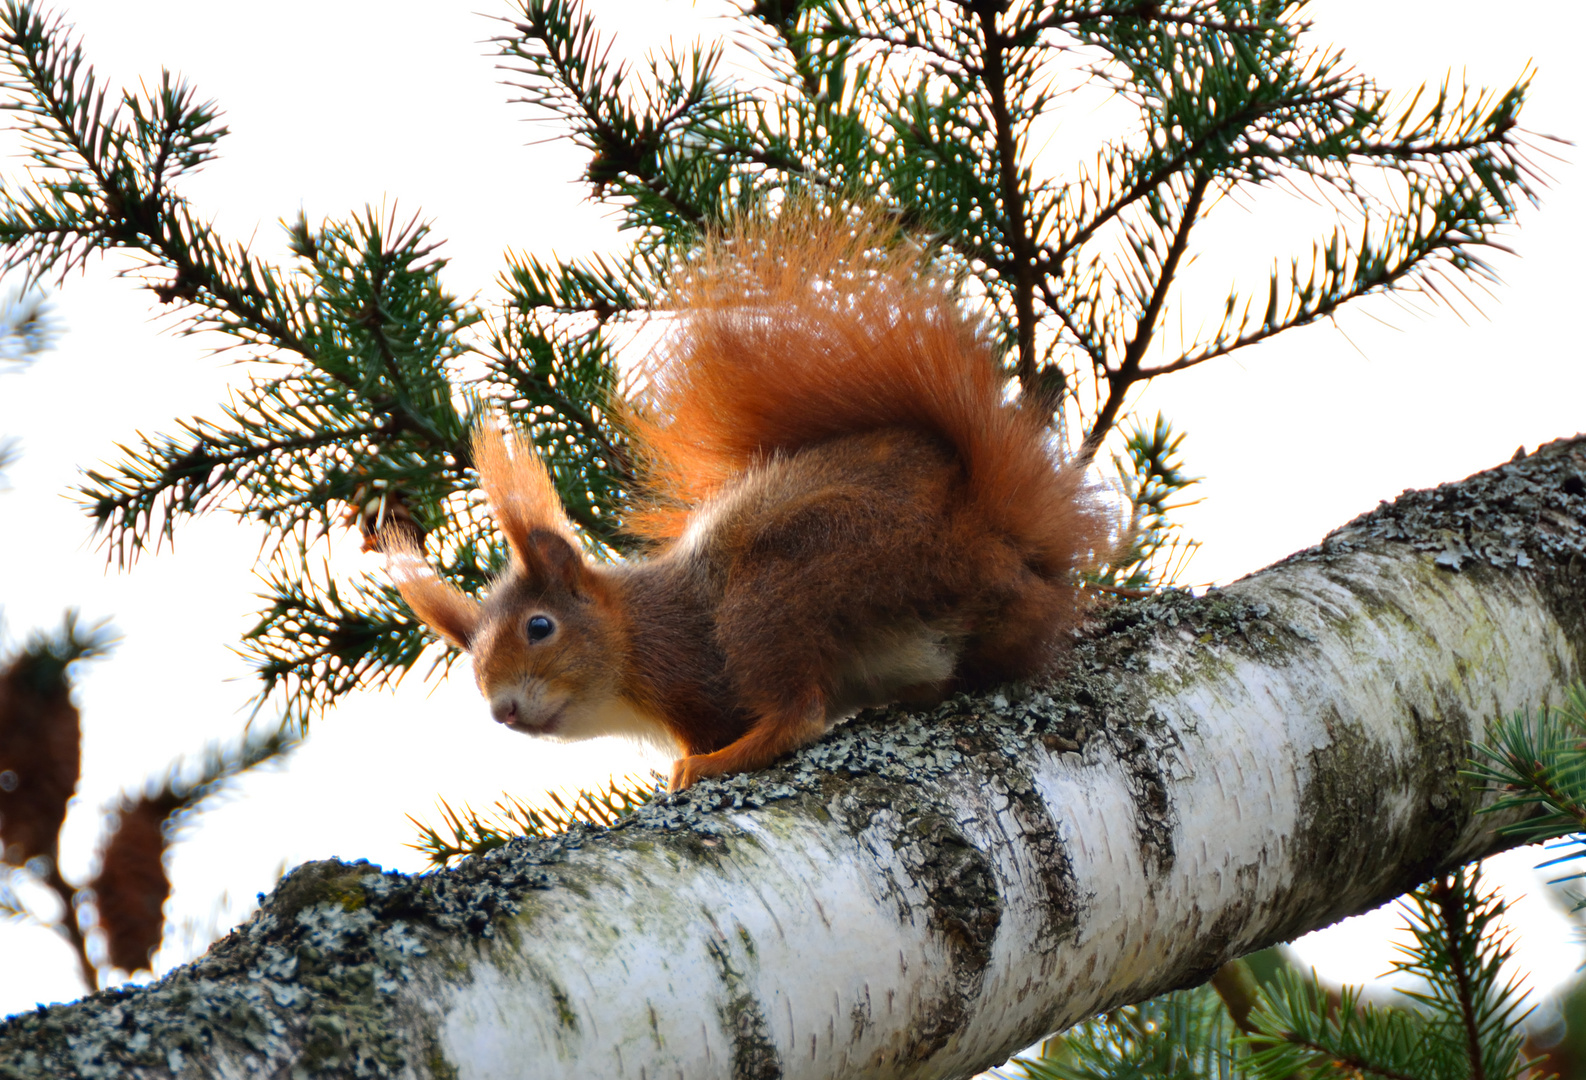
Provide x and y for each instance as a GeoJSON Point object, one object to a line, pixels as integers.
{"type": "Point", "coordinates": [443, 607]}
{"type": "Point", "coordinates": [520, 491]}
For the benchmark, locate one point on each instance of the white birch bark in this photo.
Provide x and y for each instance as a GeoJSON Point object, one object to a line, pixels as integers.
{"type": "Point", "coordinates": [921, 896]}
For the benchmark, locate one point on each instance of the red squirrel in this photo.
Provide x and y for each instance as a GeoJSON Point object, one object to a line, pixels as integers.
{"type": "Point", "coordinates": [844, 507]}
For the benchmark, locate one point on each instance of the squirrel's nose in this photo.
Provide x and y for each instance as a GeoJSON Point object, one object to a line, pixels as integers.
{"type": "Point", "coordinates": [505, 711]}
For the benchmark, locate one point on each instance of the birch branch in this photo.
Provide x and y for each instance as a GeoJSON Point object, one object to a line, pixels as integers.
{"type": "Point", "coordinates": [922, 895]}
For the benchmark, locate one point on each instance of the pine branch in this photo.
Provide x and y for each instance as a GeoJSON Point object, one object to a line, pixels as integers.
{"type": "Point", "coordinates": [317, 642]}
{"type": "Point", "coordinates": [1537, 760]}
{"type": "Point", "coordinates": [164, 480]}
{"type": "Point", "coordinates": [1299, 1031]}
{"type": "Point", "coordinates": [106, 172]}
{"type": "Point", "coordinates": [599, 286]}
{"type": "Point", "coordinates": [567, 74]}
{"type": "Point", "coordinates": [1179, 1036]}
{"type": "Point", "coordinates": [475, 834]}
{"type": "Point", "coordinates": [1121, 380]}
{"type": "Point", "coordinates": [1460, 952]}
{"type": "Point", "coordinates": [1152, 555]}
{"type": "Point", "coordinates": [1013, 185]}
{"type": "Point", "coordinates": [28, 328]}
{"type": "Point", "coordinates": [904, 30]}
{"type": "Point", "coordinates": [1154, 12]}
{"type": "Point", "coordinates": [1466, 1023]}
{"type": "Point", "coordinates": [1451, 909]}
{"type": "Point", "coordinates": [562, 384]}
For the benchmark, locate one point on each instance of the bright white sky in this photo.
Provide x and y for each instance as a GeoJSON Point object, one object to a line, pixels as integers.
{"type": "Point", "coordinates": [337, 103]}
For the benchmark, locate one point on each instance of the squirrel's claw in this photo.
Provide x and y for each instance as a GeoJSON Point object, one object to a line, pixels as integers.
{"type": "Point", "coordinates": [685, 770]}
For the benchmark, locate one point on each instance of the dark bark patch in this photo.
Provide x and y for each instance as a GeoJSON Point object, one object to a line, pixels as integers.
{"type": "Point", "coordinates": [1214, 947]}
{"type": "Point", "coordinates": [754, 1054]}
{"type": "Point", "coordinates": [964, 913]}
{"type": "Point", "coordinates": [1091, 701]}
{"type": "Point", "coordinates": [963, 907]}
{"type": "Point", "coordinates": [1338, 819]}
{"type": "Point", "coordinates": [1564, 592]}
{"type": "Point", "coordinates": [1062, 901]}
{"type": "Point", "coordinates": [1002, 774]}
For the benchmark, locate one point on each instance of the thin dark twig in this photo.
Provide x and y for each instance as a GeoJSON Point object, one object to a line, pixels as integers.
{"type": "Point", "coordinates": [1349, 1061]}
{"type": "Point", "coordinates": [1051, 259]}
{"type": "Point", "coordinates": [1450, 905]}
{"type": "Point", "coordinates": [942, 61]}
{"type": "Point", "coordinates": [1128, 372]}
{"type": "Point", "coordinates": [1323, 310]}
{"type": "Point", "coordinates": [1022, 246]}
{"type": "Point", "coordinates": [1145, 11]}
{"type": "Point", "coordinates": [69, 928]}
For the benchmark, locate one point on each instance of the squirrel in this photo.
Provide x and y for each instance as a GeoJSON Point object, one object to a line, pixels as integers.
{"type": "Point", "coordinates": [843, 502]}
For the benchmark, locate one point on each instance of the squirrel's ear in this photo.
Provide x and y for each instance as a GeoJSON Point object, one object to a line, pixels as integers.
{"type": "Point", "coordinates": [519, 489]}
{"type": "Point", "coordinates": [444, 608]}
{"type": "Point", "coordinates": [549, 558]}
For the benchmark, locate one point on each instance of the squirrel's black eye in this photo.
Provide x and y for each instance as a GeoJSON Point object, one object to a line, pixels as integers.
{"type": "Point", "coordinates": [539, 628]}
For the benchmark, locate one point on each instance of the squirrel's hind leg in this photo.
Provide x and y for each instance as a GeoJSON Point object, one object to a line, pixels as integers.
{"type": "Point", "coordinates": [775, 733]}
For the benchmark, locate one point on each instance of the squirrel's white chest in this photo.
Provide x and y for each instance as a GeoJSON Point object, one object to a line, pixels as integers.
{"type": "Point", "coordinates": [618, 716]}
{"type": "Point", "coordinates": [887, 662]}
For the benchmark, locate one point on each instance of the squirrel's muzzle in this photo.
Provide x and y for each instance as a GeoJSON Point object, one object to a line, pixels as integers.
{"type": "Point", "coordinates": [535, 712]}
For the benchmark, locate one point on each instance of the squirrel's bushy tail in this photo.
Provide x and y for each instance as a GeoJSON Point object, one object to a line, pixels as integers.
{"type": "Point", "coordinates": [815, 324]}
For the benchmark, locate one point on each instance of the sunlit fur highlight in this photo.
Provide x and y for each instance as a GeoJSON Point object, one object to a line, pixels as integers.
{"type": "Point", "coordinates": [518, 487]}
{"type": "Point", "coordinates": [818, 324]}
{"type": "Point", "coordinates": [440, 605]}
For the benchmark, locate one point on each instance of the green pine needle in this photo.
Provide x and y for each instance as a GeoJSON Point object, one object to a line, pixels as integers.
{"type": "Point", "coordinates": [1537, 761]}
{"type": "Point", "coordinates": [1463, 1020]}
{"type": "Point", "coordinates": [1179, 1036]}
{"type": "Point", "coordinates": [466, 832]}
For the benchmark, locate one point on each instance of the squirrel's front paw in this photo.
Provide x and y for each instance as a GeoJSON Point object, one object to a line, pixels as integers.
{"type": "Point", "coordinates": [685, 770]}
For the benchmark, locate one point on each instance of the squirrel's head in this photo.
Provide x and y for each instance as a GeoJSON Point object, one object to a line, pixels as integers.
{"type": "Point", "coordinates": [548, 643]}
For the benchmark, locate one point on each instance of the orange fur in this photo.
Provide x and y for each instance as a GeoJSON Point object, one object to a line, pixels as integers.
{"type": "Point", "coordinates": [844, 508]}
{"type": "Point", "coordinates": [517, 486]}
{"type": "Point", "coordinates": [817, 325]}
{"type": "Point", "coordinates": [442, 607]}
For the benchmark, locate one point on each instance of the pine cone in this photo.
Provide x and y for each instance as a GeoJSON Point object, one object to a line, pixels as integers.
{"type": "Point", "coordinates": [40, 755]}
{"type": "Point", "coordinates": [377, 511]}
{"type": "Point", "coordinates": [131, 889]}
